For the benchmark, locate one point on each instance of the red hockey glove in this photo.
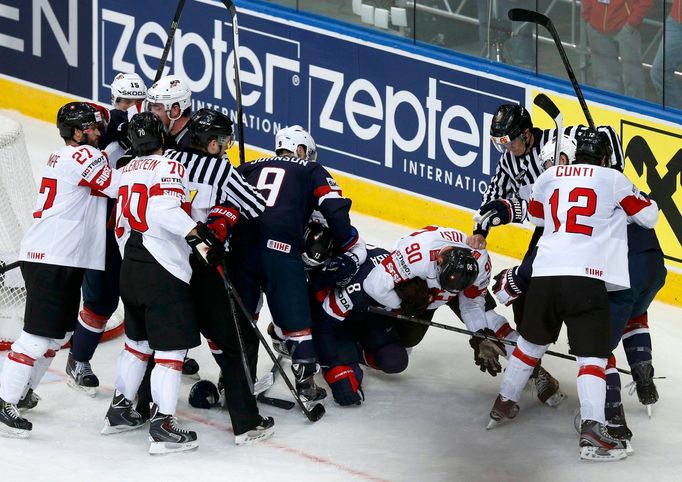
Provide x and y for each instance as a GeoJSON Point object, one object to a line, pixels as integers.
{"type": "Point", "coordinates": [221, 220]}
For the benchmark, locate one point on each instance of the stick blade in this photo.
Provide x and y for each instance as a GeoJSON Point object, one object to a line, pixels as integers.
{"type": "Point", "coordinates": [547, 104]}
{"type": "Point", "coordinates": [316, 413]}
{"type": "Point", "coordinates": [524, 15]}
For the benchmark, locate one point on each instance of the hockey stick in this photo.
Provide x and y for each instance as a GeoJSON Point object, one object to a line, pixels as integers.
{"type": "Point", "coordinates": [169, 40]}
{"type": "Point", "coordinates": [551, 109]}
{"type": "Point", "coordinates": [523, 15]}
{"type": "Point", "coordinates": [4, 268]}
{"type": "Point", "coordinates": [275, 402]}
{"type": "Point", "coordinates": [391, 314]}
{"type": "Point", "coordinates": [229, 4]}
{"type": "Point", "coordinates": [315, 413]}
{"type": "Point", "coordinates": [222, 271]}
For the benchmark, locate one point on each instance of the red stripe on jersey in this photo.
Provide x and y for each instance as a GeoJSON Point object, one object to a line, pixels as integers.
{"type": "Point", "coordinates": [157, 190]}
{"type": "Point", "coordinates": [535, 209]}
{"type": "Point", "coordinates": [473, 291]}
{"type": "Point", "coordinates": [503, 331]}
{"type": "Point", "coordinates": [594, 370]}
{"type": "Point", "coordinates": [142, 356]}
{"type": "Point", "coordinates": [322, 191]}
{"type": "Point", "coordinates": [212, 345]}
{"type": "Point", "coordinates": [633, 204]}
{"type": "Point", "coordinates": [172, 364]}
{"type": "Point", "coordinates": [611, 362]}
{"type": "Point", "coordinates": [322, 294]}
{"type": "Point", "coordinates": [335, 306]}
{"type": "Point", "coordinates": [527, 359]}
{"type": "Point", "coordinates": [21, 358]}
{"type": "Point", "coordinates": [297, 333]}
{"type": "Point", "coordinates": [637, 323]}
{"type": "Point", "coordinates": [391, 268]}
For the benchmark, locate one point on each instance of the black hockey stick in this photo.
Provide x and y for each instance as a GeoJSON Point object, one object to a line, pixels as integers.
{"type": "Point", "coordinates": [523, 15]}
{"type": "Point", "coordinates": [169, 41]}
{"type": "Point", "coordinates": [391, 314]}
{"type": "Point", "coordinates": [229, 4]}
{"type": "Point", "coordinates": [275, 402]}
{"type": "Point", "coordinates": [315, 413]}
{"type": "Point", "coordinates": [4, 268]}
{"type": "Point", "coordinates": [222, 271]}
{"type": "Point", "coordinates": [551, 109]}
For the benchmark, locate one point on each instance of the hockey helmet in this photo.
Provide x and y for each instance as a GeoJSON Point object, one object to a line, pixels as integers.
{"type": "Point", "coordinates": [457, 270]}
{"type": "Point", "coordinates": [318, 244]}
{"type": "Point", "coordinates": [206, 124]}
{"type": "Point", "coordinates": [509, 122]}
{"type": "Point", "coordinates": [289, 138]}
{"type": "Point", "coordinates": [170, 90]}
{"type": "Point", "coordinates": [592, 147]}
{"type": "Point", "coordinates": [548, 151]}
{"type": "Point", "coordinates": [146, 133]}
{"type": "Point", "coordinates": [76, 115]}
{"type": "Point", "coordinates": [128, 86]}
{"type": "Point", "coordinates": [204, 394]}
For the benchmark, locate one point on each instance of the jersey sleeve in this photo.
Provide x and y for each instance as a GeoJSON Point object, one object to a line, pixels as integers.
{"type": "Point", "coordinates": [500, 186]}
{"type": "Point", "coordinates": [91, 168]}
{"type": "Point", "coordinates": [640, 209]}
{"type": "Point", "coordinates": [334, 207]}
{"type": "Point", "coordinates": [168, 206]}
{"type": "Point", "coordinates": [536, 207]}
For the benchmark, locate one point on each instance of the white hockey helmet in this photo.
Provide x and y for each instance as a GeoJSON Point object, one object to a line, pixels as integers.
{"type": "Point", "coordinates": [568, 146]}
{"type": "Point", "coordinates": [170, 90]}
{"type": "Point", "coordinates": [290, 138]}
{"type": "Point", "coordinates": [128, 86]}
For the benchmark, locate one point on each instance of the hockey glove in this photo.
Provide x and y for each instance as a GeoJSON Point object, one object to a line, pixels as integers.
{"type": "Point", "coordinates": [341, 268]}
{"type": "Point", "coordinates": [221, 220]}
{"type": "Point", "coordinates": [487, 352]}
{"type": "Point", "coordinates": [205, 245]}
{"type": "Point", "coordinates": [500, 211]}
{"type": "Point", "coordinates": [345, 385]}
{"type": "Point", "coordinates": [505, 289]}
{"type": "Point", "coordinates": [414, 295]}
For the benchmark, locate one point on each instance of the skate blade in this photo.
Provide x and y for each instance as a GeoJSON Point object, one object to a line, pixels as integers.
{"type": "Point", "coordinates": [89, 391]}
{"type": "Point", "coordinates": [599, 454]}
{"type": "Point", "coordinates": [11, 432]}
{"type": "Point", "coordinates": [629, 449]}
{"type": "Point", "coordinates": [650, 410]}
{"type": "Point", "coordinates": [492, 423]}
{"type": "Point", "coordinates": [113, 429]}
{"type": "Point", "coordinates": [556, 399]}
{"type": "Point", "coordinates": [162, 448]}
{"type": "Point", "coordinates": [263, 383]}
{"type": "Point", "coordinates": [250, 440]}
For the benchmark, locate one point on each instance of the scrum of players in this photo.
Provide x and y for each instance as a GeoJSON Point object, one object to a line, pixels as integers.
{"type": "Point", "coordinates": [142, 204]}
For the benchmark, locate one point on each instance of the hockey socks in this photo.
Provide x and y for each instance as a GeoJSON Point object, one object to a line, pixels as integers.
{"type": "Point", "coordinates": [612, 408]}
{"type": "Point", "coordinates": [87, 335]}
{"type": "Point", "coordinates": [166, 379]}
{"type": "Point", "coordinates": [16, 373]}
{"type": "Point", "coordinates": [520, 366]}
{"type": "Point", "coordinates": [637, 340]}
{"type": "Point", "coordinates": [592, 388]}
{"type": "Point", "coordinates": [130, 367]}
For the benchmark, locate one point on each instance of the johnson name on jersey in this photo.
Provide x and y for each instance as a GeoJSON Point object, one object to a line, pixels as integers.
{"type": "Point", "coordinates": [582, 206]}
{"type": "Point", "coordinates": [153, 200]}
{"type": "Point", "coordinates": [69, 224]}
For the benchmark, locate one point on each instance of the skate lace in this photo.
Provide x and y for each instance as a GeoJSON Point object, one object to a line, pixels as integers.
{"type": "Point", "coordinates": [84, 368]}
{"type": "Point", "coordinates": [11, 410]}
{"type": "Point", "coordinates": [631, 388]}
{"type": "Point", "coordinates": [175, 426]}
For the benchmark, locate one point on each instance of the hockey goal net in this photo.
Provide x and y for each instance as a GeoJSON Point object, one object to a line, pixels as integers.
{"type": "Point", "coordinates": [18, 194]}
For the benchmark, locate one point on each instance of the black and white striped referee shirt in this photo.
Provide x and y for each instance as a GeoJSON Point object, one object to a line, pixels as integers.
{"type": "Point", "coordinates": [213, 180]}
{"type": "Point", "coordinates": [515, 176]}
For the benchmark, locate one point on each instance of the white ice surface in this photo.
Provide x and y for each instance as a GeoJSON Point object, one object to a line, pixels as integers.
{"type": "Point", "coordinates": [425, 424]}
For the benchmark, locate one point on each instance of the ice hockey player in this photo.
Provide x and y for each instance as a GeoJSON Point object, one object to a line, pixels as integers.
{"type": "Point", "coordinates": [67, 236]}
{"type": "Point", "coordinates": [155, 233]}
{"type": "Point", "coordinates": [171, 100]}
{"type": "Point", "coordinates": [221, 196]}
{"type": "Point", "coordinates": [584, 248]}
{"type": "Point", "coordinates": [267, 251]}
{"type": "Point", "coordinates": [101, 288]}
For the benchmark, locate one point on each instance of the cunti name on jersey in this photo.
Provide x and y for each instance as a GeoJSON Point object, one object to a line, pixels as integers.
{"type": "Point", "coordinates": [141, 164]}
{"type": "Point", "coordinates": [575, 171]}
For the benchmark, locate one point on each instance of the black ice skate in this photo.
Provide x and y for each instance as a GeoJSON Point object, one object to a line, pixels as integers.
{"type": "Point", "coordinates": [29, 401]}
{"type": "Point", "coordinates": [11, 423]}
{"type": "Point", "coordinates": [309, 392]}
{"type": "Point", "coordinates": [596, 443]}
{"type": "Point", "coordinates": [643, 376]}
{"type": "Point", "coordinates": [80, 376]}
{"type": "Point", "coordinates": [166, 436]}
{"type": "Point", "coordinates": [263, 431]}
{"type": "Point", "coordinates": [503, 410]}
{"type": "Point", "coordinates": [278, 343]}
{"type": "Point", "coordinates": [547, 387]}
{"type": "Point", "coordinates": [618, 428]}
{"type": "Point", "coordinates": [121, 416]}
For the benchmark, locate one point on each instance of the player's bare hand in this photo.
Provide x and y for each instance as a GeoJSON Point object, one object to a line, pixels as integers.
{"type": "Point", "coordinates": [477, 241]}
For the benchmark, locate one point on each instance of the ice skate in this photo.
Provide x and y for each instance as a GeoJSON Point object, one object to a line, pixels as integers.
{"type": "Point", "coordinates": [121, 416]}
{"type": "Point", "coordinates": [278, 343]}
{"type": "Point", "coordinates": [643, 376]}
{"type": "Point", "coordinates": [309, 392]}
{"type": "Point", "coordinates": [618, 428]}
{"type": "Point", "coordinates": [12, 425]}
{"type": "Point", "coordinates": [263, 431]}
{"type": "Point", "coordinates": [597, 444]}
{"type": "Point", "coordinates": [503, 410]}
{"type": "Point", "coordinates": [80, 377]}
{"type": "Point", "coordinates": [29, 401]}
{"type": "Point", "coordinates": [546, 387]}
{"type": "Point", "coordinates": [166, 436]}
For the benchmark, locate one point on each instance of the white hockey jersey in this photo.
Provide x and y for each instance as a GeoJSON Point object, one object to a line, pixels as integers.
{"type": "Point", "coordinates": [69, 221]}
{"type": "Point", "coordinates": [415, 256]}
{"type": "Point", "coordinates": [584, 210]}
{"type": "Point", "coordinates": [153, 200]}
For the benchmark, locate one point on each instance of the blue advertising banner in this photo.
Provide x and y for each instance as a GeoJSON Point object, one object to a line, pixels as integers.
{"type": "Point", "coordinates": [378, 113]}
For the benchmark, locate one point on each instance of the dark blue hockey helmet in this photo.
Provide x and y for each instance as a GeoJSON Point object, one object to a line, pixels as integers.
{"type": "Point", "coordinates": [204, 394]}
{"type": "Point", "coordinates": [318, 244]}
